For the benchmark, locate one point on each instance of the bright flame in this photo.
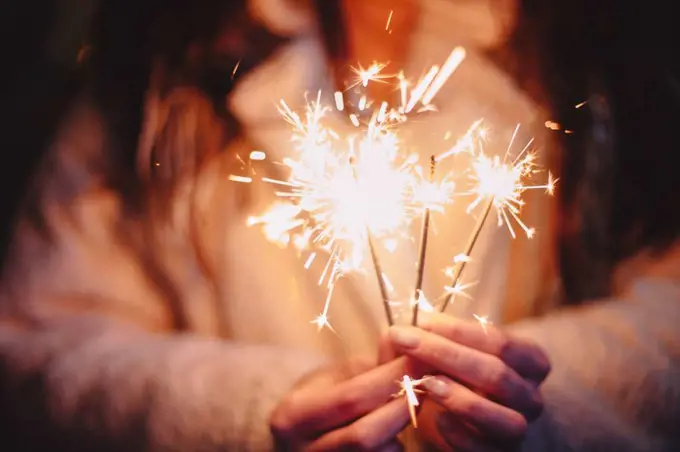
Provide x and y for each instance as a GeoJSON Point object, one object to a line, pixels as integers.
{"type": "Point", "coordinates": [504, 184]}
{"type": "Point", "coordinates": [346, 188]}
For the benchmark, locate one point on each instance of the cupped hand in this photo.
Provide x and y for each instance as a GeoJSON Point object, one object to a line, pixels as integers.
{"type": "Point", "coordinates": [486, 383]}
{"type": "Point", "coordinates": [344, 407]}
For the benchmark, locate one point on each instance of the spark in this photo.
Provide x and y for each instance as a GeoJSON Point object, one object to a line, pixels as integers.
{"type": "Point", "coordinates": [409, 389]}
{"type": "Point", "coordinates": [233, 72]}
{"type": "Point", "coordinates": [420, 89]}
{"type": "Point", "coordinates": [503, 184]}
{"type": "Point", "coordinates": [552, 125]}
{"type": "Point", "coordinates": [450, 65]}
{"type": "Point", "coordinates": [484, 322]}
{"type": "Point", "coordinates": [242, 179]}
{"type": "Point", "coordinates": [350, 192]}
{"type": "Point", "coordinates": [389, 20]}
{"type": "Point", "coordinates": [459, 289]}
{"type": "Point", "coordinates": [258, 155]}
{"type": "Point", "coordinates": [372, 73]}
{"type": "Point", "coordinates": [467, 142]}
{"type": "Point", "coordinates": [339, 101]}
{"type": "Point", "coordinates": [500, 185]}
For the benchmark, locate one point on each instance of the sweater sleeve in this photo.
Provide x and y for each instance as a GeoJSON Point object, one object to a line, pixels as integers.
{"type": "Point", "coordinates": [615, 383]}
{"type": "Point", "coordinates": [86, 383]}
{"type": "Point", "coordinates": [98, 366]}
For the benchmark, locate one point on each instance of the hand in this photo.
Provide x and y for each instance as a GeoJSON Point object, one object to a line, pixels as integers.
{"type": "Point", "coordinates": [344, 407]}
{"type": "Point", "coordinates": [486, 385]}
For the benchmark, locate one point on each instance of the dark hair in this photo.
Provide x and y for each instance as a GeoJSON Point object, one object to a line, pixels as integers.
{"type": "Point", "coordinates": [610, 72]}
{"type": "Point", "coordinates": [133, 47]}
{"type": "Point", "coordinates": [35, 90]}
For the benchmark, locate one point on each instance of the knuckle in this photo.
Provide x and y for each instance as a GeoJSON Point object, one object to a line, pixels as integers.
{"type": "Point", "coordinates": [446, 356]}
{"type": "Point", "coordinates": [500, 378]}
{"type": "Point", "coordinates": [538, 357]}
{"type": "Point", "coordinates": [350, 402]}
{"type": "Point", "coordinates": [505, 345]}
{"type": "Point", "coordinates": [543, 363]}
{"type": "Point", "coordinates": [453, 330]}
{"type": "Point", "coordinates": [359, 438]}
{"type": "Point", "coordinates": [535, 406]}
{"type": "Point", "coordinates": [280, 421]}
{"type": "Point", "coordinates": [517, 427]}
{"type": "Point", "coordinates": [468, 406]}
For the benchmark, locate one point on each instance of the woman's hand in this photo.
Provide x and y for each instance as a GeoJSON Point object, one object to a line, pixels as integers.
{"type": "Point", "coordinates": [347, 407]}
{"type": "Point", "coordinates": [486, 383]}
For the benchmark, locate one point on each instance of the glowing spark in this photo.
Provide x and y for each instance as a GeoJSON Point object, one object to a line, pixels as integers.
{"type": "Point", "coordinates": [421, 87]}
{"type": "Point", "coordinates": [339, 101]}
{"type": "Point", "coordinates": [322, 320]}
{"type": "Point", "coordinates": [484, 322]}
{"type": "Point", "coordinates": [453, 61]}
{"type": "Point", "coordinates": [459, 289]}
{"type": "Point", "coordinates": [233, 72]}
{"type": "Point", "coordinates": [362, 103]}
{"type": "Point", "coordinates": [258, 155]}
{"type": "Point", "coordinates": [421, 302]}
{"type": "Point", "coordinates": [461, 258]}
{"type": "Point", "coordinates": [503, 184]}
{"type": "Point", "coordinates": [409, 390]}
{"type": "Point", "coordinates": [581, 104]}
{"type": "Point", "coordinates": [310, 260]}
{"type": "Point", "coordinates": [389, 20]}
{"type": "Point", "coordinates": [241, 179]}
{"type": "Point", "coordinates": [552, 125]}
{"type": "Point", "coordinates": [371, 74]}
{"type": "Point", "coordinates": [466, 143]}
{"type": "Point", "coordinates": [350, 191]}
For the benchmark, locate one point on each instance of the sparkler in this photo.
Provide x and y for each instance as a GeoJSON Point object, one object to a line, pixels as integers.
{"type": "Point", "coordinates": [409, 390]}
{"type": "Point", "coordinates": [348, 193]}
{"type": "Point", "coordinates": [420, 270]}
{"type": "Point", "coordinates": [501, 185]}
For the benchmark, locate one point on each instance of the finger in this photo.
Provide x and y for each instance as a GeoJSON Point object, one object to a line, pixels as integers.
{"type": "Point", "coordinates": [375, 430]}
{"type": "Point", "coordinates": [479, 370]}
{"type": "Point", "coordinates": [461, 437]}
{"type": "Point", "coordinates": [333, 374]}
{"type": "Point", "coordinates": [524, 356]}
{"type": "Point", "coordinates": [307, 414]}
{"type": "Point", "coordinates": [386, 351]}
{"type": "Point", "coordinates": [486, 416]}
{"type": "Point", "coordinates": [393, 446]}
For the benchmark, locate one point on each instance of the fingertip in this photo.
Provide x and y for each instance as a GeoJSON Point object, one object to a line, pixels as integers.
{"type": "Point", "coordinates": [404, 336]}
{"type": "Point", "coordinates": [438, 386]}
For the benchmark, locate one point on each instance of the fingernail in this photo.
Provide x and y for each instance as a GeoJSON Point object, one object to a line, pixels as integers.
{"type": "Point", "coordinates": [404, 336]}
{"type": "Point", "coordinates": [436, 386]}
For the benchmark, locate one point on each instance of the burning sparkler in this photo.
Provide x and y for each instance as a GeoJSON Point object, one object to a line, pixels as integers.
{"type": "Point", "coordinates": [501, 185]}
{"type": "Point", "coordinates": [409, 390]}
{"type": "Point", "coordinates": [351, 192]}
{"type": "Point", "coordinates": [420, 270]}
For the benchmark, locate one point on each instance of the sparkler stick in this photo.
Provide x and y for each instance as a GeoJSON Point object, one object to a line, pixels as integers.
{"type": "Point", "coordinates": [376, 264]}
{"type": "Point", "coordinates": [381, 281]}
{"type": "Point", "coordinates": [347, 207]}
{"type": "Point", "coordinates": [455, 279]}
{"type": "Point", "coordinates": [420, 271]}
